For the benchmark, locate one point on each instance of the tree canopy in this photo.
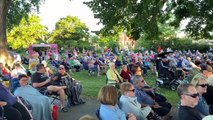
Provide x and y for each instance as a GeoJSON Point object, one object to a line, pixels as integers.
{"type": "Point", "coordinates": [141, 17]}
{"type": "Point", "coordinates": [28, 32]}
{"type": "Point", "coordinates": [136, 16]}
{"type": "Point", "coordinates": [70, 31]}
{"type": "Point", "coordinates": [199, 13]}
{"type": "Point", "coordinates": [19, 9]}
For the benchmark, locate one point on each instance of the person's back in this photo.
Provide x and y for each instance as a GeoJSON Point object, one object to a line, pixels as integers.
{"type": "Point", "coordinates": [108, 113]}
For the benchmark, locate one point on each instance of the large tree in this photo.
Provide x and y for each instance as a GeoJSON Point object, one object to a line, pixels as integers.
{"type": "Point", "coordinates": [70, 31]}
{"type": "Point", "coordinates": [29, 31]}
{"type": "Point", "coordinates": [137, 16]}
{"type": "Point", "coordinates": [141, 17]}
{"type": "Point", "coordinates": [198, 12]}
{"type": "Point", "coordinates": [11, 12]}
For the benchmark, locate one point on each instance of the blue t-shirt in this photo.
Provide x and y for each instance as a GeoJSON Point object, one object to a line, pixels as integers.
{"type": "Point", "coordinates": [143, 97]}
{"type": "Point", "coordinates": [107, 113]}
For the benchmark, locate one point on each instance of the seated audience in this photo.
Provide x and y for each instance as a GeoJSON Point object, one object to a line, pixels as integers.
{"type": "Point", "coordinates": [113, 76]}
{"type": "Point", "coordinates": [129, 104]}
{"type": "Point", "coordinates": [13, 110]}
{"type": "Point", "coordinates": [161, 108]}
{"type": "Point", "coordinates": [17, 71]}
{"type": "Point", "coordinates": [200, 83]}
{"type": "Point", "coordinates": [43, 83]}
{"type": "Point", "coordinates": [109, 109]}
{"type": "Point", "coordinates": [125, 74]}
{"type": "Point", "coordinates": [188, 100]}
{"type": "Point", "coordinates": [40, 110]}
{"type": "Point", "coordinates": [48, 72]}
{"type": "Point", "coordinates": [73, 90]}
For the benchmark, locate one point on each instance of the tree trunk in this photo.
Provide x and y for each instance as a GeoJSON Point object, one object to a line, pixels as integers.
{"type": "Point", "coordinates": [4, 56]}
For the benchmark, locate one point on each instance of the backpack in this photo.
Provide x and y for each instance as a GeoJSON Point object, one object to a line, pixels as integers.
{"type": "Point", "coordinates": [74, 98]}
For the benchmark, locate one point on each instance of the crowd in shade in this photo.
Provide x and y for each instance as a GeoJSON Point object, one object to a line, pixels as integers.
{"type": "Point", "coordinates": [124, 70]}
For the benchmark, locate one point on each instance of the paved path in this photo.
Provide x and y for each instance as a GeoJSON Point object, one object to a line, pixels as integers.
{"type": "Point", "coordinates": [75, 112]}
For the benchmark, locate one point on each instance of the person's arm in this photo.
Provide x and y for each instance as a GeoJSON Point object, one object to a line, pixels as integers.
{"type": "Point", "coordinates": [36, 84]}
{"type": "Point", "coordinates": [2, 103]}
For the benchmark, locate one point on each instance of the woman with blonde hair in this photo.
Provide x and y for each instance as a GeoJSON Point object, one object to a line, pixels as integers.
{"type": "Point", "coordinates": [109, 109]}
{"type": "Point", "coordinates": [200, 83]}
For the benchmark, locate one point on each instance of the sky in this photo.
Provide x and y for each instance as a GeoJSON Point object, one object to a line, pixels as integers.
{"type": "Point", "coordinates": [52, 10]}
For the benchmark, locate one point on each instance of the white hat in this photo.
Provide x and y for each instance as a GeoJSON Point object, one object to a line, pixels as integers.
{"type": "Point", "coordinates": [44, 63]}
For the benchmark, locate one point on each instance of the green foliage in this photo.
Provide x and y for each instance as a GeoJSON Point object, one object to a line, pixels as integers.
{"type": "Point", "coordinates": [200, 14]}
{"type": "Point", "coordinates": [71, 32]}
{"type": "Point", "coordinates": [28, 32]}
{"type": "Point", "coordinates": [166, 33]}
{"type": "Point", "coordinates": [110, 40]}
{"type": "Point", "coordinates": [174, 43]}
{"type": "Point", "coordinates": [137, 16]}
{"type": "Point", "coordinates": [19, 9]}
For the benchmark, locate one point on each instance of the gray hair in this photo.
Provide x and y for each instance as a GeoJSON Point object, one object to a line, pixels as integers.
{"type": "Point", "coordinates": [183, 88]}
{"type": "Point", "coordinates": [111, 64]}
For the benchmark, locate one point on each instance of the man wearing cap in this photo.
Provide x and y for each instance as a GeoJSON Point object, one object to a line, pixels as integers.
{"type": "Point", "coordinates": [164, 68]}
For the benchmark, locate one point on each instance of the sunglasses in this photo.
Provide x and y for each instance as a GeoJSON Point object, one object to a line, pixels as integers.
{"type": "Point", "coordinates": [61, 68]}
{"type": "Point", "coordinates": [195, 95]}
{"type": "Point", "coordinates": [133, 90]}
{"type": "Point", "coordinates": [202, 85]}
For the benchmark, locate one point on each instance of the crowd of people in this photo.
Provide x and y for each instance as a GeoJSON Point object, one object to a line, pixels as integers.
{"type": "Point", "coordinates": [136, 99]}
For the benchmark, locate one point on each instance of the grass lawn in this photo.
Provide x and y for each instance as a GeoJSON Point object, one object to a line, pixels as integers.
{"type": "Point", "coordinates": [92, 84]}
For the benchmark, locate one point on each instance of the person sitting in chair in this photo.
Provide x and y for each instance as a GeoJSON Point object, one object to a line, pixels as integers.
{"type": "Point", "coordinates": [13, 110]}
{"type": "Point", "coordinates": [73, 90]}
{"type": "Point", "coordinates": [113, 76]}
{"type": "Point", "coordinates": [129, 104]}
{"type": "Point", "coordinates": [164, 69]}
{"type": "Point", "coordinates": [40, 110]}
{"type": "Point", "coordinates": [43, 83]}
{"type": "Point", "coordinates": [161, 108]}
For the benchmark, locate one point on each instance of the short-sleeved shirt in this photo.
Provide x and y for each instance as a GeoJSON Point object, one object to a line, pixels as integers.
{"type": "Point", "coordinates": [60, 78]}
{"type": "Point", "coordinates": [38, 78]}
{"type": "Point", "coordinates": [143, 97]}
